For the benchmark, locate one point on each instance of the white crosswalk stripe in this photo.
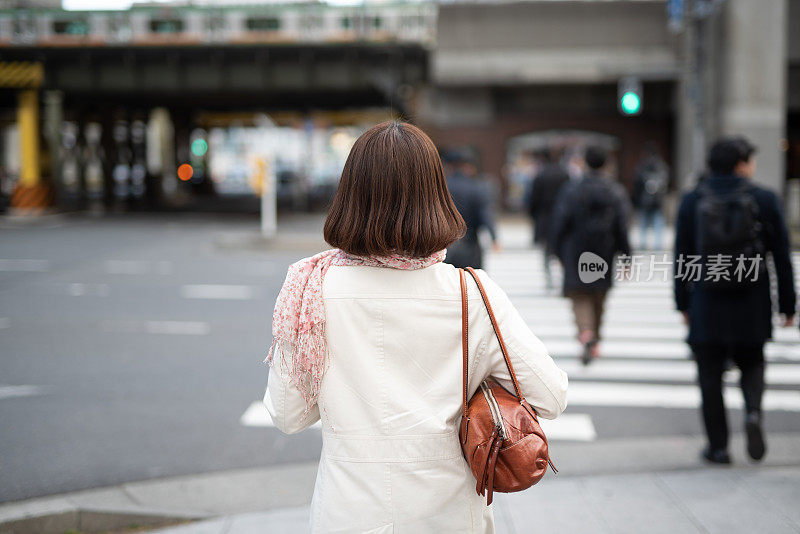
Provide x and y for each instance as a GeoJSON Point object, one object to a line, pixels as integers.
{"type": "Point", "coordinates": [646, 361]}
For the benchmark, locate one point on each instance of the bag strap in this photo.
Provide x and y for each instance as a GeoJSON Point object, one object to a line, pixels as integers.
{"type": "Point", "coordinates": [464, 335]}
{"type": "Point", "coordinates": [495, 327]}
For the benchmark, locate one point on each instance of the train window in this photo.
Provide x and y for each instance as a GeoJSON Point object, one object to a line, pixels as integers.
{"type": "Point", "coordinates": [215, 22]}
{"type": "Point", "coordinates": [71, 27]}
{"type": "Point", "coordinates": [166, 25]}
{"type": "Point", "coordinates": [264, 24]}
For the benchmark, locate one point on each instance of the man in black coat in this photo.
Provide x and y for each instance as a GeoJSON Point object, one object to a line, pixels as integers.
{"type": "Point", "coordinates": [731, 321]}
{"type": "Point", "coordinates": [473, 199]}
{"type": "Point", "coordinates": [544, 192]}
{"type": "Point", "coordinates": [589, 228]}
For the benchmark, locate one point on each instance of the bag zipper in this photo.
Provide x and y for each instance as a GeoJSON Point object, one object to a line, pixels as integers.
{"type": "Point", "coordinates": [494, 408]}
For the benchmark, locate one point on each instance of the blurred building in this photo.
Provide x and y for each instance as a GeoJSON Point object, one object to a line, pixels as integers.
{"type": "Point", "coordinates": [107, 105]}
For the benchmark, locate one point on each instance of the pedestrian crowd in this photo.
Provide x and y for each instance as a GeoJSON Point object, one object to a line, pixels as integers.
{"type": "Point", "coordinates": [726, 228]}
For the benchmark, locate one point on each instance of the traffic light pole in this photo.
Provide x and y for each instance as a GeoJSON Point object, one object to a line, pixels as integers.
{"type": "Point", "coordinates": [269, 198]}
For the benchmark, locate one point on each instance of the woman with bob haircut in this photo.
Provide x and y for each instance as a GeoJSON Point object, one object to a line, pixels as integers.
{"type": "Point", "coordinates": [367, 340]}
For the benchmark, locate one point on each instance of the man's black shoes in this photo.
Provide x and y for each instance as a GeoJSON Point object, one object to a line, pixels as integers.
{"type": "Point", "coordinates": [755, 437]}
{"type": "Point", "coordinates": [716, 456]}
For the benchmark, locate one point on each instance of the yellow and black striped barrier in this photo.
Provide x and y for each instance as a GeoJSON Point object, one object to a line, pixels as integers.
{"type": "Point", "coordinates": [21, 74]}
{"type": "Point", "coordinates": [32, 198]}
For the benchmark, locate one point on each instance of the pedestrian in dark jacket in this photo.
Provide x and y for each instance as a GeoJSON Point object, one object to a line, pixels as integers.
{"type": "Point", "coordinates": [473, 199]}
{"type": "Point", "coordinates": [589, 228]}
{"type": "Point", "coordinates": [544, 191]}
{"type": "Point", "coordinates": [731, 320]}
{"type": "Point", "coordinates": [649, 190]}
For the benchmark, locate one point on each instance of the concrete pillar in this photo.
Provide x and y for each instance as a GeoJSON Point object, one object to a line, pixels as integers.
{"type": "Point", "coordinates": [160, 150]}
{"type": "Point", "coordinates": [753, 88]}
{"type": "Point", "coordinates": [687, 162]}
{"type": "Point", "coordinates": [53, 117]}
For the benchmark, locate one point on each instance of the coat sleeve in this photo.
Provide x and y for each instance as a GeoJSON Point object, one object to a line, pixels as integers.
{"type": "Point", "coordinates": [778, 244]}
{"type": "Point", "coordinates": [542, 383]}
{"type": "Point", "coordinates": [534, 196]}
{"type": "Point", "coordinates": [285, 404]}
{"type": "Point", "coordinates": [623, 210]}
{"type": "Point", "coordinates": [684, 247]}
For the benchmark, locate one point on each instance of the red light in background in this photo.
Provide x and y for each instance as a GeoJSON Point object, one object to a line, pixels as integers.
{"type": "Point", "coordinates": [185, 172]}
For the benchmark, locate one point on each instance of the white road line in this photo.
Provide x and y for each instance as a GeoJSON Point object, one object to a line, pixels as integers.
{"type": "Point", "coordinates": [569, 427]}
{"type": "Point", "coordinates": [664, 396]}
{"type": "Point", "coordinates": [28, 266]}
{"type": "Point", "coordinates": [7, 391]}
{"type": "Point", "coordinates": [5, 322]}
{"type": "Point", "coordinates": [219, 292]}
{"type": "Point", "coordinates": [257, 415]}
{"type": "Point", "coordinates": [573, 427]}
{"type": "Point", "coordinates": [88, 290]}
{"type": "Point", "coordinates": [659, 332]}
{"type": "Point", "coordinates": [676, 370]}
{"type": "Point", "coordinates": [138, 267]}
{"type": "Point", "coordinates": [183, 328]}
{"type": "Point", "coordinates": [653, 349]}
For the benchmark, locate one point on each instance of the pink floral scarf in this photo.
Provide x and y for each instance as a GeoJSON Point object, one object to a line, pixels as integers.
{"type": "Point", "coordinates": [298, 322]}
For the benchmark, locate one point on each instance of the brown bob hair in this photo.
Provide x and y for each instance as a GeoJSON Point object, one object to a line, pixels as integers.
{"type": "Point", "coordinates": [393, 197]}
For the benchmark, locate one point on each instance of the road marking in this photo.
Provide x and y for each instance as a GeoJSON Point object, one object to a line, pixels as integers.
{"type": "Point", "coordinates": [138, 267]}
{"type": "Point", "coordinates": [572, 427]}
{"type": "Point", "coordinates": [653, 350]}
{"type": "Point", "coordinates": [569, 427]}
{"type": "Point", "coordinates": [220, 292]}
{"type": "Point", "coordinates": [92, 290]}
{"type": "Point", "coordinates": [183, 328]}
{"type": "Point", "coordinates": [7, 392]}
{"type": "Point", "coordinates": [28, 266]}
{"type": "Point", "coordinates": [666, 396]}
{"type": "Point", "coordinates": [667, 370]}
{"type": "Point", "coordinates": [257, 415]}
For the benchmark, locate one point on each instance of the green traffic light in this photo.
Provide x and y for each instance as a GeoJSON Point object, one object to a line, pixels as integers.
{"type": "Point", "coordinates": [630, 103]}
{"type": "Point", "coordinates": [199, 147]}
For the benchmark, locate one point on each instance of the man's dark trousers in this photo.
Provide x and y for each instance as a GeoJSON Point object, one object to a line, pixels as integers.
{"type": "Point", "coordinates": [711, 364]}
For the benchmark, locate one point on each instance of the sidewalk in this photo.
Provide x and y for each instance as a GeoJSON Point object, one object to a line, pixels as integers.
{"type": "Point", "coordinates": [709, 500]}
{"type": "Point", "coordinates": [654, 484]}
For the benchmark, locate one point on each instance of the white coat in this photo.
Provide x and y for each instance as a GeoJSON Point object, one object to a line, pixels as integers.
{"type": "Point", "coordinates": [390, 401]}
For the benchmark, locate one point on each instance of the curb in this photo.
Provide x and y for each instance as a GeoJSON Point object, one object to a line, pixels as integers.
{"type": "Point", "coordinates": [160, 502]}
{"type": "Point", "coordinates": [59, 522]}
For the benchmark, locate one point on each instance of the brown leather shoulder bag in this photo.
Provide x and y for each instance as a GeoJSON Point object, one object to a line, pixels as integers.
{"type": "Point", "coordinates": [500, 433]}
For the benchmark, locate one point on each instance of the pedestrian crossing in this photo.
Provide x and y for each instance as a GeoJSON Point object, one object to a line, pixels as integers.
{"type": "Point", "coordinates": [646, 362]}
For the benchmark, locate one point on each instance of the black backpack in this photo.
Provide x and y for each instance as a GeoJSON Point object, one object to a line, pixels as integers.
{"type": "Point", "coordinates": [727, 224]}
{"type": "Point", "coordinates": [596, 219]}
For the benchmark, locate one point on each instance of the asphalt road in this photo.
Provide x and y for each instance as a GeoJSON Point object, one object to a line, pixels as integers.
{"type": "Point", "coordinates": [131, 346]}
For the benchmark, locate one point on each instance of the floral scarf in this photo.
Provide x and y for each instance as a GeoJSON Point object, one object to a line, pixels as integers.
{"type": "Point", "coordinates": [298, 322]}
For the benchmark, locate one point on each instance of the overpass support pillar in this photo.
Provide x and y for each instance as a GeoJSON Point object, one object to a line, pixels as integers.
{"type": "Point", "coordinates": [30, 193]}
{"type": "Point", "coordinates": [753, 89]}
